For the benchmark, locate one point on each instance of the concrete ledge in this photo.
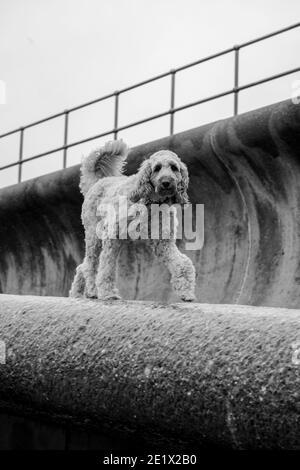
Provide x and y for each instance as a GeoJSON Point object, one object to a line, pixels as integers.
{"type": "Point", "coordinates": [194, 374]}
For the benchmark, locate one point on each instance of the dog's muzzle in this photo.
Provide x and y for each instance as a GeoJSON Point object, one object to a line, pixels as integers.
{"type": "Point", "coordinates": [166, 187]}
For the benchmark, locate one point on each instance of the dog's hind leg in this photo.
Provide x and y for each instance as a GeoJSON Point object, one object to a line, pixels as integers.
{"type": "Point", "coordinates": [91, 263]}
{"type": "Point", "coordinates": [180, 267]}
{"type": "Point", "coordinates": [106, 277]}
{"type": "Point", "coordinates": [78, 284]}
{"type": "Point", "coordinates": [84, 284]}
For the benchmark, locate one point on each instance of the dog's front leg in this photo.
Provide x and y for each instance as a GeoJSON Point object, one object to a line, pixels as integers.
{"type": "Point", "coordinates": [106, 276]}
{"type": "Point", "coordinates": [180, 267]}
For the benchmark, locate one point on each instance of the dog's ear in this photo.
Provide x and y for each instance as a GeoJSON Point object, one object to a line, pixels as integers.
{"type": "Point", "coordinates": [182, 197]}
{"type": "Point", "coordinates": [143, 187]}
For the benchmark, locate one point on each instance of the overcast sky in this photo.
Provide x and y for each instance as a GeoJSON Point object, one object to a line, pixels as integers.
{"type": "Point", "coordinates": [55, 54]}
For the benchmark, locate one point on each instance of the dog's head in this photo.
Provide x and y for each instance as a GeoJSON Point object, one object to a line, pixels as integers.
{"type": "Point", "coordinates": [162, 178]}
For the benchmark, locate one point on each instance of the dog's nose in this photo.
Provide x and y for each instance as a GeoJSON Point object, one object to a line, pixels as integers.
{"type": "Point", "coordinates": [165, 184]}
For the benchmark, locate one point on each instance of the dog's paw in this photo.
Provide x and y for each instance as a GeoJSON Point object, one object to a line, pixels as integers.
{"type": "Point", "coordinates": [188, 297]}
{"type": "Point", "coordinates": [110, 296]}
{"type": "Point", "coordinates": [91, 295]}
{"type": "Point", "coordinates": [76, 295]}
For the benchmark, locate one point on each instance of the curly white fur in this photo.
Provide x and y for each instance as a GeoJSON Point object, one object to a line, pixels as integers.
{"type": "Point", "coordinates": [163, 178]}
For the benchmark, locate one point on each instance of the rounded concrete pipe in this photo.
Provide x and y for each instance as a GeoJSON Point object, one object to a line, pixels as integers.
{"type": "Point", "coordinates": [195, 375]}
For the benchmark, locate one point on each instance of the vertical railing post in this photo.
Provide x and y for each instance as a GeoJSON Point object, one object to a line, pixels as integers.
{"type": "Point", "coordinates": [66, 138]}
{"type": "Point", "coordinates": [172, 103]}
{"type": "Point", "coordinates": [236, 79]}
{"type": "Point", "coordinates": [20, 154]}
{"type": "Point", "coordinates": [116, 117]}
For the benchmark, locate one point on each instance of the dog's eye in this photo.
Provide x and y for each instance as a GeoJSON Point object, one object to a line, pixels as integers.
{"type": "Point", "coordinates": [174, 168]}
{"type": "Point", "coordinates": [157, 168]}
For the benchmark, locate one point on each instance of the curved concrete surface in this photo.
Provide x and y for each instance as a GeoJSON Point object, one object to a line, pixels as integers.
{"type": "Point", "coordinates": [246, 172]}
{"type": "Point", "coordinates": [188, 374]}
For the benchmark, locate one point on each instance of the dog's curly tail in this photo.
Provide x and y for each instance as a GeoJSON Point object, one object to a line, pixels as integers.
{"type": "Point", "coordinates": [109, 160]}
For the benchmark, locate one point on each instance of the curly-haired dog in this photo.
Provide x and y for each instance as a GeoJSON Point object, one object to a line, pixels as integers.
{"type": "Point", "coordinates": [163, 178]}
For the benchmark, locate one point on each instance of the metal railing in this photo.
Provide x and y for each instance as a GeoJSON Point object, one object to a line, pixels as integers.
{"type": "Point", "coordinates": [171, 111]}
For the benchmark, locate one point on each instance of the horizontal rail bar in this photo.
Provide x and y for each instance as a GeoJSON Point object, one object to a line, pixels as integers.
{"type": "Point", "coordinates": [32, 124]}
{"type": "Point", "coordinates": [11, 132]}
{"type": "Point", "coordinates": [62, 113]}
{"type": "Point", "coordinates": [204, 100]}
{"type": "Point", "coordinates": [145, 82]}
{"type": "Point", "coordinates": [270, 35]}
{"type": "Point", "coordinates": [88, 103]}
{"type": "Point", "coordinates": [58, 149]}
{"type": "Point", "coordinates": [204, 59]}
{"type": "Point", "coordinates": [268, 79]}
{"type": "Point", "coordinates": [156, 116]}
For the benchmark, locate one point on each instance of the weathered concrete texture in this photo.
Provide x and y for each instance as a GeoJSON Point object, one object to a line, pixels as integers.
{"type": "Point", "coordinates": [195, 374]}
{"type": "Point", "coordinates": [246, 172]}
